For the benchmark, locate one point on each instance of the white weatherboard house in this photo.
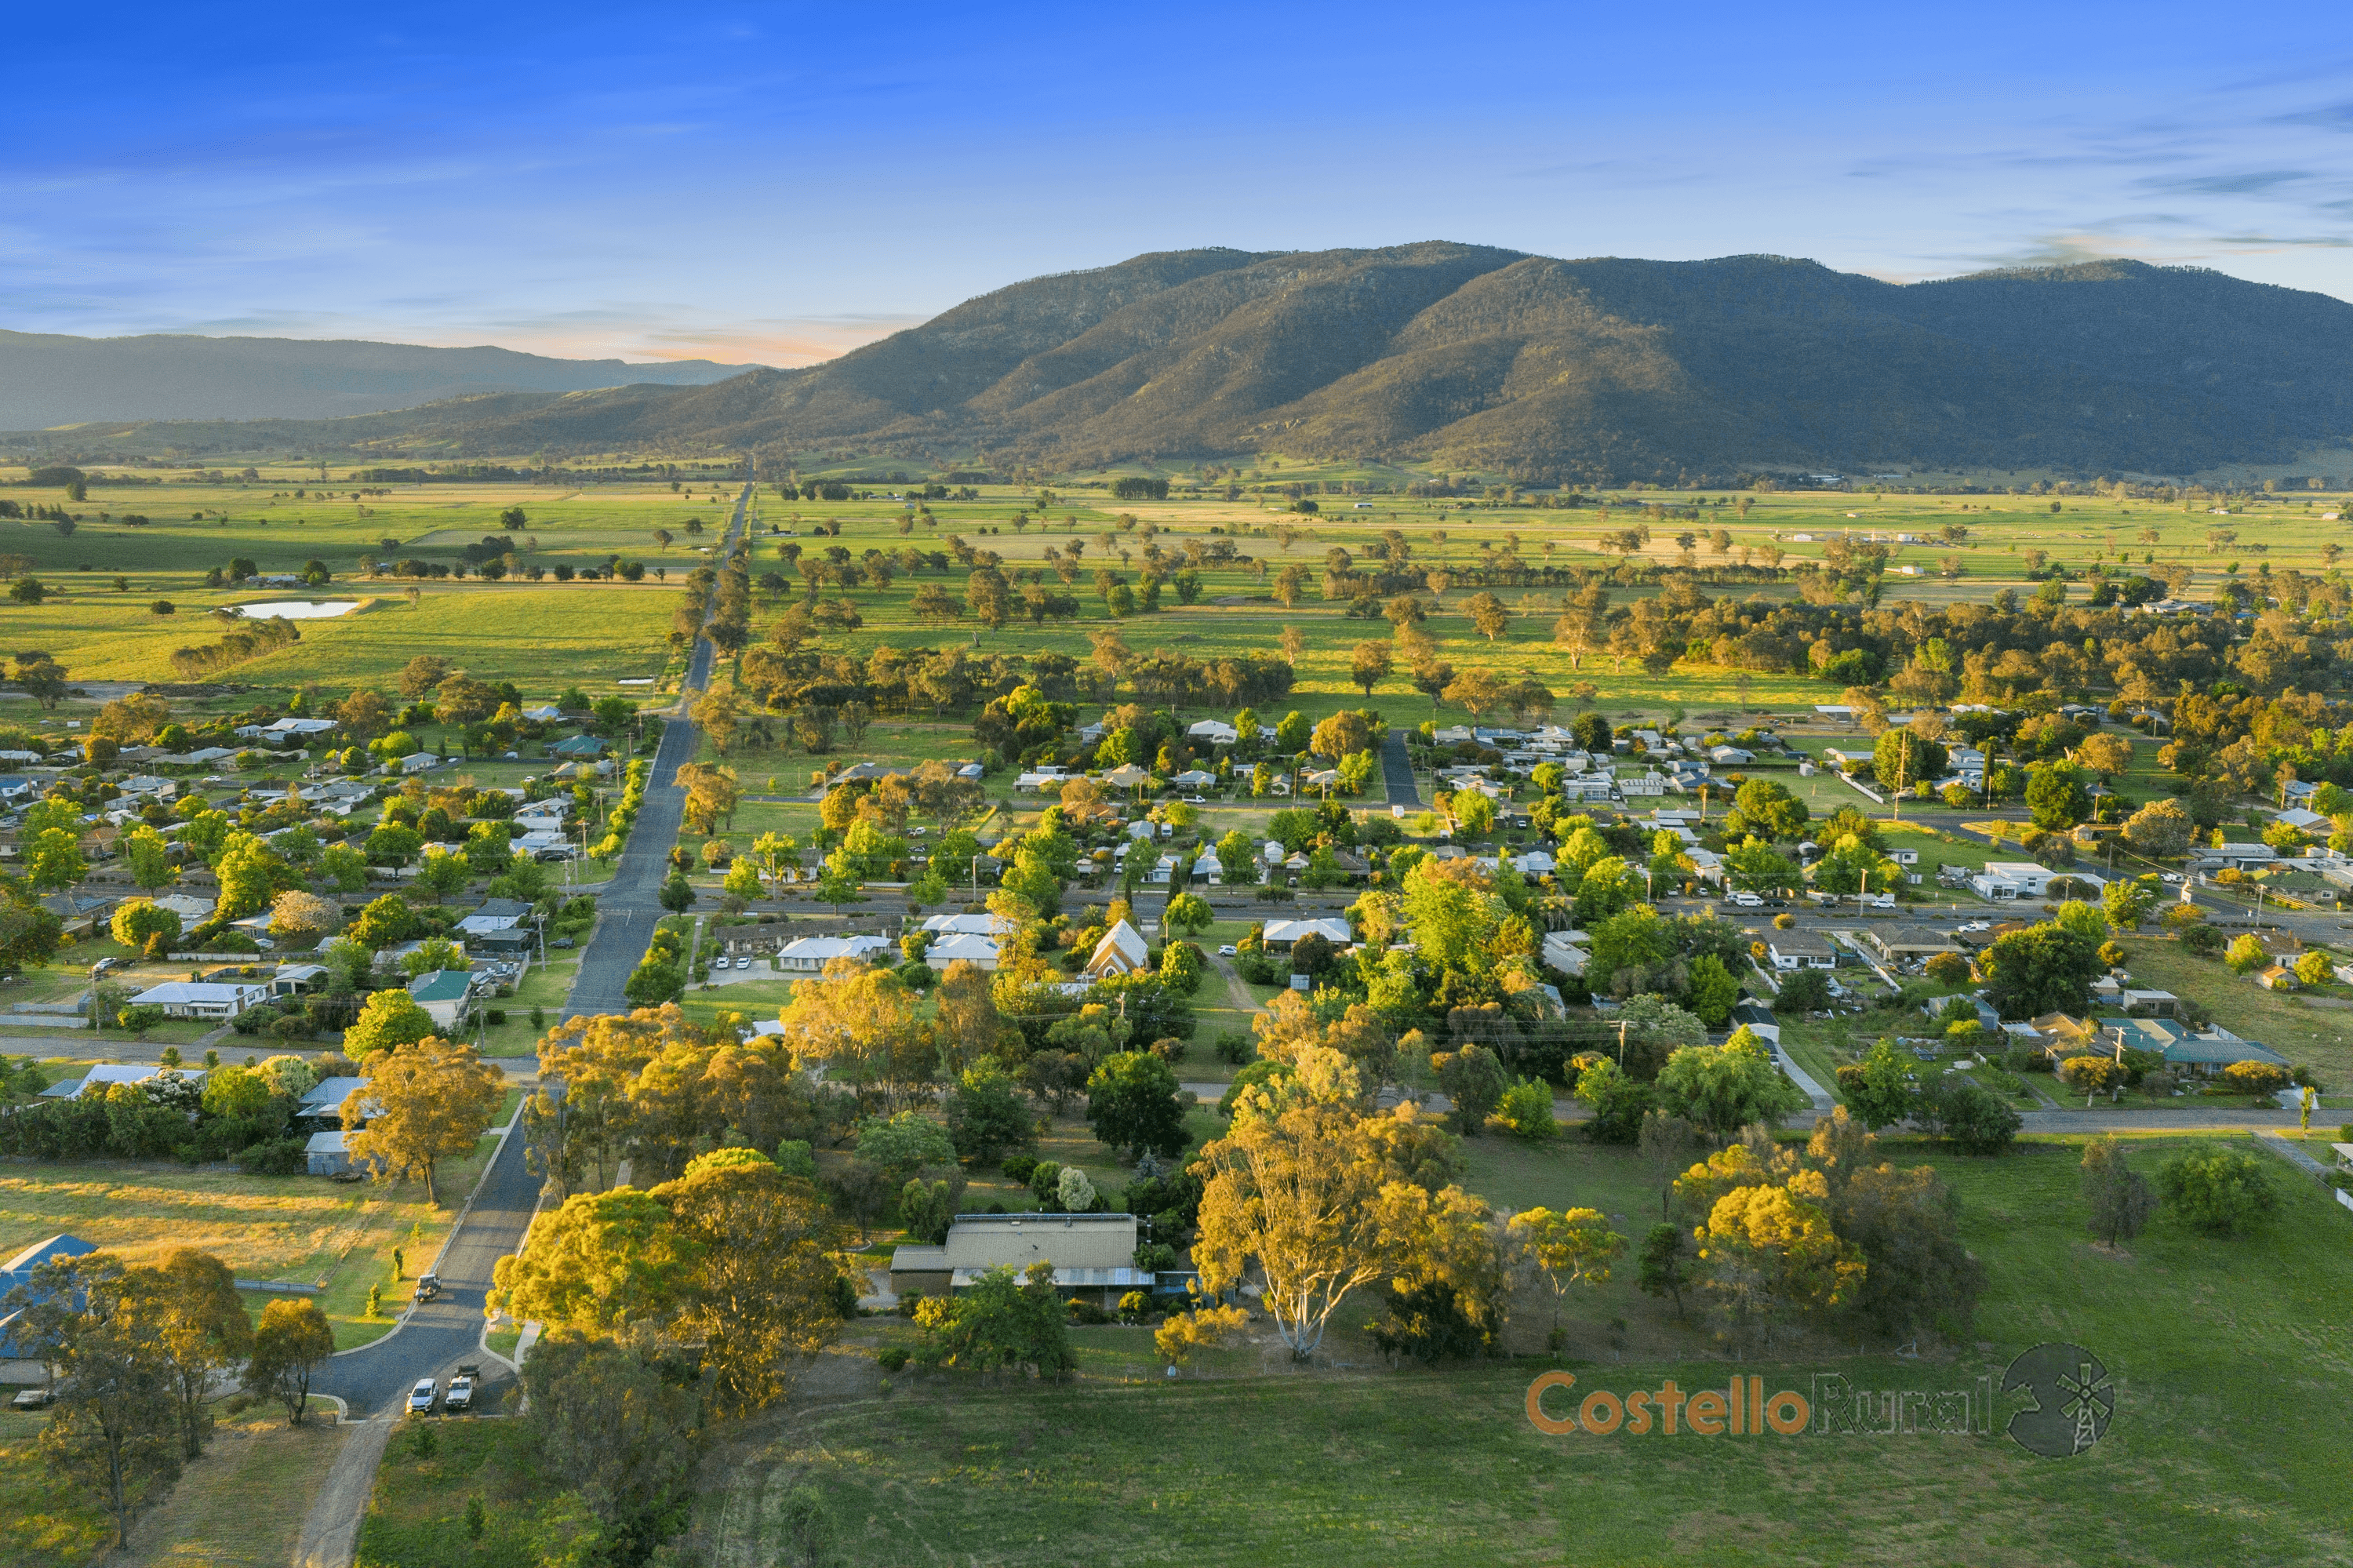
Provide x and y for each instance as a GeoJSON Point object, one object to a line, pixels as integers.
{"type": "Point", "coordinates": [2002, 880]}
{"type": "Point", "coordinates": [969, 947]}
{"type": "Point", "coordinates": [1121, 951]}
{"type": "Point", "coordinates": [1093, 1253]}
{"type": "Point", "coordinates": [1284, 933]}
{"type": "Point", "coordinates": [106, 1074]}
{"type": "Point", "coordinates": [443, 994]}
{"type": "Point", "coordinates": [201, 998]}
{"type": "Point", "coordinates": [983, 925]}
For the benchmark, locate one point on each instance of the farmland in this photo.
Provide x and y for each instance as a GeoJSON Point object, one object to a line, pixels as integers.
{"type": "Point", "coordinates": [544, 635]}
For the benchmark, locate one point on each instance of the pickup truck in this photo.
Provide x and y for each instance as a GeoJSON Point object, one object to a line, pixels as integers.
{"type": "Point", "coordinates": [459, 1398]}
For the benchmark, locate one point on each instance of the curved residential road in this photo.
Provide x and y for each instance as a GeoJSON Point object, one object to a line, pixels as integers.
{"type": "Point", "coordinates": [435, 1338]}
{"type": "Point", "coordinates": [628, 905]}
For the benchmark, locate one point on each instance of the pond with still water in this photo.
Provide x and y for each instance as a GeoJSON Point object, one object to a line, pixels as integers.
{"type": "Point", "coordinates": [298, 609]}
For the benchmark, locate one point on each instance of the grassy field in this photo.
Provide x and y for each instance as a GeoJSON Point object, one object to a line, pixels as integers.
{"type": "Point", "coordinates": [299, 1229]}
{"type": "Point", "coordinates": [1250, 1457]}
{"type": "Point", "coordinates": [42, 1522]}
{"type": "Point", "coordinates": [1429, 1467]}
{"type": "Point", "coordinates": [544, 635]}
{"type": "Point", "coordinates": [242, 1505]}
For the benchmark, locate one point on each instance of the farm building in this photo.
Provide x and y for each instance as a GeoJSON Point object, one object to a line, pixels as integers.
{"type": "Point", "coordinates": [1094, 1253]}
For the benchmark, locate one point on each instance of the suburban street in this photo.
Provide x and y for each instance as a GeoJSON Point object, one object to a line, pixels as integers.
{"type": "Point", "coordinates": [435, 1337]}
{"type": "Point", "coordinates": [628, 905]}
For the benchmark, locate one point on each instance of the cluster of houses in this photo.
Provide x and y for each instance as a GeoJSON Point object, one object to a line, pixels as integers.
{"type": "Point", "coordinates": [1672, 764]}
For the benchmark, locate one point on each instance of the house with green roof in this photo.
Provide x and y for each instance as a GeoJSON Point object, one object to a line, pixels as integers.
{"type": "Point", "coordinates": [2202, 1054]}
{"type": "Point", "coordinates": [446, 995]}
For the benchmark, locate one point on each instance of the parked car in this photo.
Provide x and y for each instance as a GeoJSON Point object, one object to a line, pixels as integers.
{"type": "Point", "coordinates": [1227, 951]}
{"type": "Point", "coordinates": [1747, 901]}
{"type": "Point", "coordinates": [421, 1398]}
{"type": "Point", "coordinates": [461, 1397]}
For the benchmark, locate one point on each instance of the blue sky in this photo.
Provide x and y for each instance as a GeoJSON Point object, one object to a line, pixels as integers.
{"type": "Point", "coordinates": [779, 183]}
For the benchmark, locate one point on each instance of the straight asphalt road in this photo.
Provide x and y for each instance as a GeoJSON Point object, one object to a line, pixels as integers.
{"type": "Point", "coordinates": [628, 905]}
{"type": "Point", "coordinates": [374, 1380]}
{"type": "Point", "coordinates": [1397, 772]}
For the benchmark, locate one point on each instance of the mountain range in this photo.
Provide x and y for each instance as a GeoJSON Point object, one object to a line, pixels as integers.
{"type": "Point", "coordinates": [48, 379]}
{"type": "Point", "coordinates": [1470, 358]}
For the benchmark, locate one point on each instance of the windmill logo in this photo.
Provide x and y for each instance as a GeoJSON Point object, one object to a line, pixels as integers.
{"type": "Point", "coordinates": [2073, 1400]}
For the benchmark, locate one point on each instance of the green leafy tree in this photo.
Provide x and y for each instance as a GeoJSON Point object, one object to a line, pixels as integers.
{"type": "Point", "coordinates": [1966, 1115]}
{"type": "Point", "coordinates": [1526, 1112]}
{"type": "Point", "coordinates": [292, 1340]}
{"type": "Point", "coordinates": [1131, 1103]}
{"type": "Point", "coordinates": [987, 1117]}
{"type": "Point", "coordinates": [1188, 912]}
{"type": "Point", "coordinates": [1726, 1087]}
{"type": "Point", "coordinates": [53, 860]}
{"type": "Point", "coordinates": [2044, 968]}
{"type": "Point", "coordinates": [1714, 991]}
{"type": "Point", "coordinates": [2057, 795]}
{"type": "Point", "coordinates": [115, 1433]}
{"type": "Point", "coordinates": [1878, 1088]}
{"type": "Point", "coordinates": [387, 1019]}
{"type": "Point", "coordinates": [1568, 1249]}
{"type": "Point", "coordinates": [2127, 901]}
{"type": "Point", "coordinates": [1619, 1101]}
{"type": "Point", "coordinates": [1662, 1267]}
{"type": "Point", "coordinates": [1762, 807]}
{"type": "Point", "coordinates": [385, 922]}
{"type": "Point", "coordinates": [1901, 759]}
{"type": "Point", "coordinates": [905, 1143]}
{"type": "Point", "coordinates": [616, 1422]}
{"type": "Point", "coordinates": [1473, 1082]}
{"type": "Point", "coordinates": [2223, 1191]}
{"type": "Point", "coordinates": [1005, 1322]}
{"type": "Point", "coordinates": [138, 922]}
{"type": "Point", "coordinates": [204, 1330]}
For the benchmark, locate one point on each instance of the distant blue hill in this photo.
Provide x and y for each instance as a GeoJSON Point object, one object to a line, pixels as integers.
{"type": "Point", "coordinates": [48, 379]}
